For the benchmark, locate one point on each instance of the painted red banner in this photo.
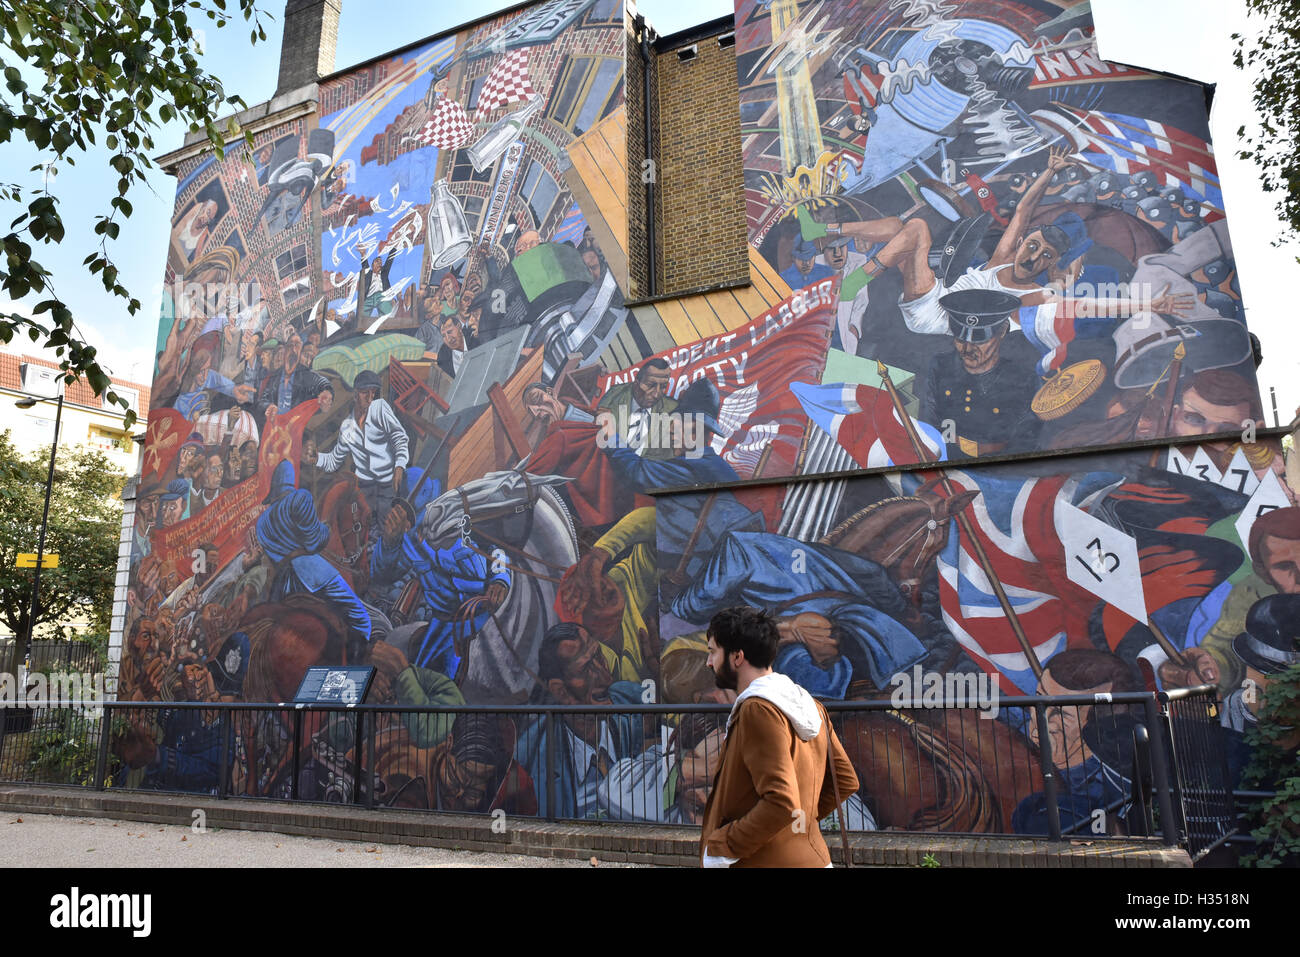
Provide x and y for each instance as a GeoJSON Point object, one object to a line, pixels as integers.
{"type": "Point", "coordinates": [753, 366]}
{"type": "Point", "coordinates": [167, 432]}
{"type": "Point", "coordinates": [226, 521]}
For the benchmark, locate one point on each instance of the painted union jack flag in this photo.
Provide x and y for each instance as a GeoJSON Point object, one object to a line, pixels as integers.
{"type": "Point", "coordinates": [507, 83]}
{"type": "Point", "coordinates": [1130, 144]}
{"type": "Point", "coordinates": [863, 420]}
{"type": "Point", "coordinates": [1020, 527]}
{"type": "Point", "coordinates": [448, 126]}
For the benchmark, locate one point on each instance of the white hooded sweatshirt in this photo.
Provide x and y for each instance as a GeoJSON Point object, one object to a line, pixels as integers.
{"type": "Point", "coordinates": [795, 703]}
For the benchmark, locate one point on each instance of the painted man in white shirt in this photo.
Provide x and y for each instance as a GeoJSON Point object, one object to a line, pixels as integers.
{"type": "Point", "coordinates": [854, 296]}
{"type": "Point", "coordinates": [377, 444]}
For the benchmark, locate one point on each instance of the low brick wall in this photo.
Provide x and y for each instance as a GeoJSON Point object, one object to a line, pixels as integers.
{"type": "Point", "coordinates": [642, 844]}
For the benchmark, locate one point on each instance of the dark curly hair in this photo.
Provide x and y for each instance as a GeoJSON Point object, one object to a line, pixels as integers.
{"type": "Point", "coordinates": [748, 629]}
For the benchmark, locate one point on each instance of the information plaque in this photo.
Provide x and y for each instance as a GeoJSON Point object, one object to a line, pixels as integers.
{"type": "Point", "coordinates": [339, 684]}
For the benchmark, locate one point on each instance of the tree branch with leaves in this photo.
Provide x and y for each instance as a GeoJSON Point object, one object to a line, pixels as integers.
{"type": "Point", "coordinates": [76, 71]}
{"type": "Point", "coordinates": [1274, 56]}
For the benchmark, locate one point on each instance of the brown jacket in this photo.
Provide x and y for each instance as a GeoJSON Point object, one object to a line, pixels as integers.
{"type": "Point", "coordinates": [765, 776]}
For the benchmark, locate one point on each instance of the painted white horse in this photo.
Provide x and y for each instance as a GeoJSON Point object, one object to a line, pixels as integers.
{"type": "Point", "coordinates": [519, 519]}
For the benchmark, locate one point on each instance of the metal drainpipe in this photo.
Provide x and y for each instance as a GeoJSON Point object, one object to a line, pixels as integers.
{"type": "Point", "coordinates": [644, 32]}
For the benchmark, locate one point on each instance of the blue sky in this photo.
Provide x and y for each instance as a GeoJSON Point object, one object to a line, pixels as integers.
{"type": "Point", "coordinates": [1190, 37]}
{"type": "Point", "coordinates": [409, 177]}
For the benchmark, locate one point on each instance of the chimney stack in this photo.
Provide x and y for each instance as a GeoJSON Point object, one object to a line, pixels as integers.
{"type": "Point", "coordinates": [311, 36]}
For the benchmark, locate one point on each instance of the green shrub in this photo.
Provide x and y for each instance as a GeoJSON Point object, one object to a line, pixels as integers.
{"type": "Point", "coordinates": [1275, 765]}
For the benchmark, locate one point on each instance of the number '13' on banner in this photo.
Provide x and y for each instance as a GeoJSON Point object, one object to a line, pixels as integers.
{"type": "Point", "coordinates": [1102, 559]}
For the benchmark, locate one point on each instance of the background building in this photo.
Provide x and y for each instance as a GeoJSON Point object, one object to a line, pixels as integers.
{"type": "Point", "coordinates": [88, 419]}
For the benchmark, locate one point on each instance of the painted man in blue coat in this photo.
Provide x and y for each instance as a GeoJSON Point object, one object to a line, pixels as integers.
{"type": "Point", "coordinates": [863, 605]}
{"type": "Point", "coordinates": [451, 573]}
{"type": "Point", "coordinates": [291, 535]}
{"type": "Point", "coordinates": [805, 268]}
{"type": "Point", "coordinates": [694, 463]}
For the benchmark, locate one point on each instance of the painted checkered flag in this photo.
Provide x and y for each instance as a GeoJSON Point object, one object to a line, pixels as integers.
{"type": "Point", "coordinates": [507, 83]}
{"type": "Point", "coordinates": [448, 126]}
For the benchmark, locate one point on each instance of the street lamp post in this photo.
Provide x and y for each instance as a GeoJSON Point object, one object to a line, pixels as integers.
{"type": "Point", "coordinates": [22, 645]}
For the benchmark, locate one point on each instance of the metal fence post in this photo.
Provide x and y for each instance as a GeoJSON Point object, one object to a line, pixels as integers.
{"type": "Point", "coordinates": [1141, 772]}
{"type": "Point", "coordinates": [4, 726]}
{"type": "Point", "coordinates": [1049, 774]}
{"type": "Point", "coordinates": [1160, 772]}
{"type": "Point", "coordinates": [223, 769]}
{"type": "Point", "coordinates": [370, 791]}
{"type": "Point", "coordinates": [356, 757]}
{"type": "Point", "coordinates": [550, 765]}
{"type": "Point", "coordinates": [101, 757]}
{"type": "Point", "coordinates": [297, 750]}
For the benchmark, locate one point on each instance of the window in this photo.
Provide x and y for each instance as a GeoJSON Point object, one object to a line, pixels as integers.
{"type": "Point", "coordinates": [587, 91]}
{"type": "Point", "coordinates": [40, 380]}
{"type": "Point", "coordinates": [109, 440]}
{"type": "Point", "coordinates": [462, 170]}
{"type": "Point", "coordinates": [600, 96]}
{"type": "Point", "coordinates": [475, 88]}
{"type": "Point", "coordinates": [295, 291]}
{"type": "Point", "coordinates": [123, 392]}
{"type": "Point", "coordinates": [604, 12]}
{"type": "Point", "coordinates": [473, 207]}
{"type": "Point", "coordinates": [539, 192]}
{"type": "Point", "coordinates": [291, 262]}
{"type": "Point", "coordinates": [42, 428]}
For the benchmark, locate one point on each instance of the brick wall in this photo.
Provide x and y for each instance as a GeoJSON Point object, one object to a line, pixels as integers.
{"type": "Point", "coordinates": [700, 215]}
{"type": "Point", "coordinates": [352, 87]}
{"type": "Point", "coordinates": [311, 35]}
{"type": "Point", "coordinates": [121, 582]}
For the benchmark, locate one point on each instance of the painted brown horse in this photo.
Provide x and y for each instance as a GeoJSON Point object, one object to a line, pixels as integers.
{"type": "Point", "coordinates": [345, 510]}
{"type": "Point", "coordinates": [903, 535]}
{"type": "Point", "coordinates": [941, 770]}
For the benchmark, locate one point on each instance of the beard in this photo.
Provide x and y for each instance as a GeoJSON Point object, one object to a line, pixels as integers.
{"type": "Point", "coordinates": [725, 677]}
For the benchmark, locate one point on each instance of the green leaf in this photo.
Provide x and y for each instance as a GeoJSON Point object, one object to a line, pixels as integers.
{"type": "Point", "coordinates": [108, 71]}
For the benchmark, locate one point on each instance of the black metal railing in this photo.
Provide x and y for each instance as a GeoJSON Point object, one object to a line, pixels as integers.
{"type": "Point", "coordinates": [1202, 783]}
{"type": "Point", "coordinates": [1122, 765]}
{"type": "Point", "coordinates": [51, 655]}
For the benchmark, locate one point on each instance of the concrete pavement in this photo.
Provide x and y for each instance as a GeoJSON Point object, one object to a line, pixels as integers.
{"type": "Point", "coordinates": [44, 840]}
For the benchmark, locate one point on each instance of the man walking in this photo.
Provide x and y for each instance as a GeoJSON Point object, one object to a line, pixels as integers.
{"type": "Point", "coordinates": [771, 789]}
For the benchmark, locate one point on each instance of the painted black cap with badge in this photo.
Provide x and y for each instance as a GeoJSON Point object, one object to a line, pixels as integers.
{"type": "Point", "coordinates": [978, 315]}
{"type": "Point", "coordinates": [230, 666]}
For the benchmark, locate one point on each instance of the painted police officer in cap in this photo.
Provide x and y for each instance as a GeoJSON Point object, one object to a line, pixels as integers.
{"type": "Point", "coordinates": [983, 393]}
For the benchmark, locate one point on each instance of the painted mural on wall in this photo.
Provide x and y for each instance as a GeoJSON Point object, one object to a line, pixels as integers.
{"type": "Point", "coordinates": [1034, 237]}
{"type": "Point", "coordinates": [418, 428]}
